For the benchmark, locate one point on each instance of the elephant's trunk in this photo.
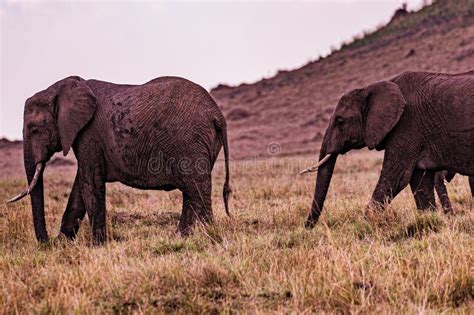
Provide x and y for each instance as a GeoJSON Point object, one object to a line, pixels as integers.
{"type": "Point", "coordinates": [36, 194]}
{"type": "Point", "coordinates": [323, 180]}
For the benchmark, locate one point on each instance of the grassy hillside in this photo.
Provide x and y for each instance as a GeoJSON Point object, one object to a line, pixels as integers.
{"type": "Point", "coordinates": [445, 13]}
{"type": "Point", "coordinates": [293, 107]}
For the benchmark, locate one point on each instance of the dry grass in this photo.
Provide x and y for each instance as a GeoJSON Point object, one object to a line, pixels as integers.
{"type": "Point", "coordinates": [262, 260]}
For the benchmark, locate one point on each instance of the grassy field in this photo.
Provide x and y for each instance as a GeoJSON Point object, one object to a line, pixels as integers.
{"type": "Point", "coordinates": [262, 260]}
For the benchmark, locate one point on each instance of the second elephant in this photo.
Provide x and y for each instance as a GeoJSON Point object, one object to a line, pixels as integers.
{"type": "Point", "coordinates": [424, 122]}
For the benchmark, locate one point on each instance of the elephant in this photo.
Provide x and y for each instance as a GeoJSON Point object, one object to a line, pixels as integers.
{"type": "Point", "coordinates": [424, 121]}
{"type": "Point", "coordinates": [423, 190]}
{"type": "Point", "coordinates": [165, 134]}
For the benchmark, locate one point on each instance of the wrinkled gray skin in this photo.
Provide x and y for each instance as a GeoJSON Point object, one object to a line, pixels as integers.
{"type": "Point", "coordinates": [422, 189]}
{"type": "Point", "coordinates": [423, 121]}
{"type": "Point", "coordinates": [165, 134]}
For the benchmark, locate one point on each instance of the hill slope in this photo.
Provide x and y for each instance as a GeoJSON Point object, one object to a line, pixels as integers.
{"type": "Point", "coordinates": [292, 108]}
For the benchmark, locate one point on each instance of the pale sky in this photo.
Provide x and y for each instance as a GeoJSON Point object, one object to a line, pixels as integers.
{"type": "Point", "coordinates": [134, 41]}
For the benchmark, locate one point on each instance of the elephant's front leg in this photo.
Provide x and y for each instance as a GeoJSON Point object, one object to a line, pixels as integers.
{"type": "Point", "coordinates": [422, 186]}
{"type": "Point", "coordinates": [396, 173]}
{"type": "Point", "coordinates": [74, 213]}
{"type": "Point", "coordinates": [92, 182]}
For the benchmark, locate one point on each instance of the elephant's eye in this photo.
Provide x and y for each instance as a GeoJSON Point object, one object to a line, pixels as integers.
{"type": "Point", "coordinates": [340, 121]}
{"type": "Point", "coordinates": [34, 130]}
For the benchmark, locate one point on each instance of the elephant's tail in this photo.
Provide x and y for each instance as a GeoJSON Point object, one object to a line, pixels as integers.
{"type": "Point", "coordinates": [222, 133]}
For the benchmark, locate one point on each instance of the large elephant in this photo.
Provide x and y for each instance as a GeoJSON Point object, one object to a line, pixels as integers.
{"type": "Point", "coordinates": [165, 134]}
{"type": "Point", "coordinates": [423, 121]}
{"type": "Point", "coordinates": [422, 188]}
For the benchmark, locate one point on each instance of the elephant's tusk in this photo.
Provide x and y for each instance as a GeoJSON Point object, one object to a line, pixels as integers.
{"type": "Point", "coordinates": [27, 191]}
{"type": "Point", "coordinates": [315, 168]}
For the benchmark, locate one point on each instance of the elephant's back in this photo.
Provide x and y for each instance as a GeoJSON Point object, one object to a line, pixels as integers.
{"type": "Point", "coordinates": [155, 95]}
{"type": "Point", "coordinates": [449, 97]}
{"type": "Point", "coordinates": [165, 117]}
{"type": "Point", "coordinates": [166, 98]}
{"type": "Point", "coordinates": [174, 105]}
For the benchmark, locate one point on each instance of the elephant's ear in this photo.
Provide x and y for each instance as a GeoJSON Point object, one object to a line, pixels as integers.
{"type": "Point", "coordinates": [76, 104]}
{"type": "Point", "coordinates": [384, 107]}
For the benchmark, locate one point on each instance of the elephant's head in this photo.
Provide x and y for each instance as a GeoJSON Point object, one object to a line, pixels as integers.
{"type": "Point", "coordinates": [52, 120]}
{"type": "Point", "coordinates": [363, 117]}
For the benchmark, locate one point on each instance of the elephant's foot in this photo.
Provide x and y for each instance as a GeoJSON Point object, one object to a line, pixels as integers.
{"type": "Point", "coordinates": [449, 210]}
{"type": "Point", "coordinates": [70, 232]}
{"type": "Point", "coordinates": [66, 236]}
{"type": "Point", "coordinates": [446, 206]}
{"type": "Point", "coordinates": [185, 223]}
{"type": "Point", "coordinates": [310, 223]}
{"type": "Point", "coordinates": [99, 239]}
{"type": "Point", "coordinates": [184, 230]}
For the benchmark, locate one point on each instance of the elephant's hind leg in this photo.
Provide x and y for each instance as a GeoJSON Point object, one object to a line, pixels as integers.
{"type": "Point", "coordinates": [74, 213]}
{"type": "Point", "coordinates": [187, 216]}
{"type": "Point", "coordinates": [196, 205]}
{"type": "Point", "coordinates": [443, 192]}
{"type": "Point", "coordinates": [471, 184]}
